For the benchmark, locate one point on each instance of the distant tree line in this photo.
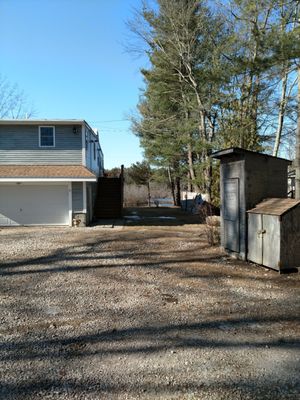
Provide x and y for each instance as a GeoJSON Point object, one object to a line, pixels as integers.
{"type": "Point", "coordinates": [142, 174]}
{"type": "Point", "coordinates": [220, 74]}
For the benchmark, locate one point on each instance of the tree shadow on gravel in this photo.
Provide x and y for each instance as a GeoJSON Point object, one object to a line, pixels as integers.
{"type": "Point", "coordinates": [92, 256]}
{"type": "Point", "coordinates": [50, 264]}
{"type": "Point", "coordinates": [106, 388]}
{"type": "Point", "coordinates": [146, 341]}
{"type": "Point", "coordinates": [46, 353]}
{"type": "Point", "coordinates": [153, 338]}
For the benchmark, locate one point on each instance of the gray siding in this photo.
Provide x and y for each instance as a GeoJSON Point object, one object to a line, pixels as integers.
{"type": "Point", "coordinates": [91, 193]}
{"type": "Point", "coordinates": [92, 163]}
{"type": "Point", "coordinates": [77, 196]}
{"type": "Point", "coordinates": [20, 145]}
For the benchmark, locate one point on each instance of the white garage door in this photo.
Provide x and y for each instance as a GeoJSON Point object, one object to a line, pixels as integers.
{"type": "Point", "coordinates": [34, 204]}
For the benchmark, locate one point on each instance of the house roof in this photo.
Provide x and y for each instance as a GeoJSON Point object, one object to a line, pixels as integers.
{"type": "Point", "coordinates": [239, 151]}
{"type": "Point", "coordinates": [275, 206]}
{"type": "Point", "coordinates": [67, 172]}
{"type": "Point", "coordinates": [42, 121]}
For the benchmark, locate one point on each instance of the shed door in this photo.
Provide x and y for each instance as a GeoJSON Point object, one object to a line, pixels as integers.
{"type": "Point", "coordinates": [34, 205]}
{"type": "Point", "coordinates": [264, 240]}
{"type": "Point", "coordinates": [271, 241]}
{"type": "Point", "coordinates": [231, 219]}
{"type": "Point", "coordinates": [255, 241]}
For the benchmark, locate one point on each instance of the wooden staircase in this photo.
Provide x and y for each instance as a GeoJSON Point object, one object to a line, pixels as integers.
{"type": "Point", "coordinates": [109, 200]}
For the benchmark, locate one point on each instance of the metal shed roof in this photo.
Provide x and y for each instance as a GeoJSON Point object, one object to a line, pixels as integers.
{"type": "Point", "coordinates": [275, 206]}
{"type": "Point", "coordinates": [242, 152]}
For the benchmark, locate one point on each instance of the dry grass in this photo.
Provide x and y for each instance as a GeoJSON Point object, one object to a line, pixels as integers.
{"type": "Point", "coordinates": [137, 195]}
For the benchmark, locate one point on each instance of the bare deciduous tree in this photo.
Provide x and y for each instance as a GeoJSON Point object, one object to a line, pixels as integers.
{"type": "Point", "coordinates": [13, 103]}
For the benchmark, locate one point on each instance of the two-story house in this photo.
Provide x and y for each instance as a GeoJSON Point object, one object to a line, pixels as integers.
{"type": "Point", "coordinates": [48, 172]}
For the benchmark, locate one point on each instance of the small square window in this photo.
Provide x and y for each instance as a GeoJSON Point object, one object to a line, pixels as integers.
{"type": "Point", "coordinates": [47, 136]}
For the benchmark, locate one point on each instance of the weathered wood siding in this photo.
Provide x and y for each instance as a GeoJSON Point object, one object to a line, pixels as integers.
{"type": "Point", "coordinates": [77, 197]}
{"type": "Point", "coordinates": [255, 240]}
{"type": "Point", "coordinates": [258, 177]}
{"type": "Point", "coordinates": [290, 239]}
{"type": "Point", "coordinates": [19, 145]}
{"type": "Point", "coordinates": [271, 241]}
{"type": "Point", "coordinates": [233, 235]}
{"type": "Point", "coordinates": [265, 177]}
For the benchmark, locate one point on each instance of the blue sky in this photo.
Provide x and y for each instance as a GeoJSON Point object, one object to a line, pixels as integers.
{"type": "Point", "coordinates": [68, 56]}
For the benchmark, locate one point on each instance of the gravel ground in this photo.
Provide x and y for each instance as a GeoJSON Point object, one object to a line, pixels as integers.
{"type": "Point", "coordinates": [144, 311]}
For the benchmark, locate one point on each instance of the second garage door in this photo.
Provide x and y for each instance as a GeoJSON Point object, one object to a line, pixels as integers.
{"type": "Point", "coordinates": [24, 204]}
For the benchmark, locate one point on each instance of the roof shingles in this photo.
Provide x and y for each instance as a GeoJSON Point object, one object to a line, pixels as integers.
{"type": "Point", "coordinates": [45, 171]}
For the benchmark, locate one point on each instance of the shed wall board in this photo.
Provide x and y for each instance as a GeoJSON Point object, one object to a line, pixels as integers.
{"type": "Point", "coordinates": [19, 145]}
{"type": "Point", "coordinates": [231, 214]}
{"type": "Point", "coordinates": [290, 239]}
{"type": "Point", "coordinates": [274, 240]}
{"type": "Point", "coordinates": [255, 244]}
{"type": "Point", "coordinates": [265, 177]}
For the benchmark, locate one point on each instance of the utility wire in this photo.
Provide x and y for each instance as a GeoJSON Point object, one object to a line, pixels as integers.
{"type": "Point", "coordinates": [110, 121]}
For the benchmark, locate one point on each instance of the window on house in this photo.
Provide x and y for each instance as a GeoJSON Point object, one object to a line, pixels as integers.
{"type": "Point", "coordinates": [94, 151]}
{"type": "Point", "coordinates": [46, 136]}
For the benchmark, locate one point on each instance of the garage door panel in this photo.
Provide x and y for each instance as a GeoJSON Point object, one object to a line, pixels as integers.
{"type": "Point", "coordinates": [5, 220]}
{"type": "Point", "coordinates": [34, 205]}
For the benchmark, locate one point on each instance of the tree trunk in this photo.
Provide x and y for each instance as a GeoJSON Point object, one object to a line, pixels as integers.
{"type": "Point", "coordinates": [282, 108]}
{"type": "Point", "coordinates": [189, 183]}
{"type": "Point", "coordinates": [191, 164]}
{"type": "Point", "coordinates": [297, 160]}
{"type": "Point", "coordinates": [192, 174]}
{"type": "Point", "coordinates": [172, 185]}
{"type": "Point", "coordinates": [208, 180]}
{"type": "Point", "coordinates": [149, 194]}
{"type": "Point", "coordinates": [178, 192]}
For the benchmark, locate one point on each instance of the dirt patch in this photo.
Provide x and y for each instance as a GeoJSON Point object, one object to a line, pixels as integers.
{"type": "Point", "coordinates": [144, 311]}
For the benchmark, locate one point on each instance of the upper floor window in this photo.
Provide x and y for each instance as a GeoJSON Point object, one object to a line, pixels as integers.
{"type": "Point", "coordinates": [46, 136]}
{"type": "Point", "coordinates": [94, 151]}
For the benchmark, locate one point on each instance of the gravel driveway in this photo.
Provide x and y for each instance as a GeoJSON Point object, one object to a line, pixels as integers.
{"type": "Point", "coordinates": [144, 311]}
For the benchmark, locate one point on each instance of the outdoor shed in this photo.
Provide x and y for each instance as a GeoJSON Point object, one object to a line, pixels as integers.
{"type": "Point", "coordinates": [274, 234]}
{"type": "Point", "coordinates": [246, 178]}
